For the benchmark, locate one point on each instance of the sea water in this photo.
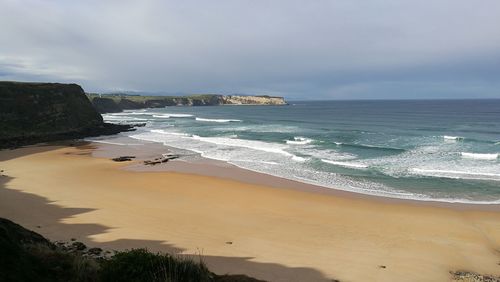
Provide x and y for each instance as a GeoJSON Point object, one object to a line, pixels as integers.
{"type": "Point", "coordinates": [440, 150]}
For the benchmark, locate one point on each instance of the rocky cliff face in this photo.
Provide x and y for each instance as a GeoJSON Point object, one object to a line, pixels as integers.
{"type": "Point", "coordinates": [117, 103]}
{"type": "Point", "coordinates": [37, 112]}
{"type": "Point", "coordinates": [253, 100]}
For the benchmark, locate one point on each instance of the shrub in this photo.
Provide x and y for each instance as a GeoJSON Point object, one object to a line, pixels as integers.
{"type": "Point", "coordinates": [141, 265]}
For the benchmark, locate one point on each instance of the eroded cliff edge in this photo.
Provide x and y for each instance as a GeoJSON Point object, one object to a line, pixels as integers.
{"type": "Point", "coordinates": [39, 112]}
{"type": "Point", "coordinates": [117, 103]}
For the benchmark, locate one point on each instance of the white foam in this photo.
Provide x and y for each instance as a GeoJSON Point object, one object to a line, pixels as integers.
{"type": "Point", "coordinates": [217, 120]}
{"type": "Point", "coordinates": [122, 118]}
{"type": "Point", "coordinates": [455, 138]}
{"type": "Point", "coordinates": [172, 115]}
{"type": "Point", "coordinates": [260, 162]}
{"type": "Point", "coordinates": [250, 144]}
{"type": "Point", "coordinates": [161, 131]}
{"type": "Point", "coordinates": [129, 113]}
{"type": "Point", "coordinates": [314, 152]}
{"type": "Point", "coordinates": [299, 159]}
{"type": "Point", "coordinates": [345, 164]}
{"type": "Point", "coordinates": [456, 174]}
{"type": "Point", "coordinates": [479, 156]}
{"type": "Point", "coordinates": [299, 141]}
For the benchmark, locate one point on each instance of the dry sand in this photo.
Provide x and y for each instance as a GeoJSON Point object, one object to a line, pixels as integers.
{"type": "Point", "coordinates": [276, 234]}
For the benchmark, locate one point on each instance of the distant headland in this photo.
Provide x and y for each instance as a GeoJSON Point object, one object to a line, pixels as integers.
{"type": "Point", "coordinates": [112, 103]}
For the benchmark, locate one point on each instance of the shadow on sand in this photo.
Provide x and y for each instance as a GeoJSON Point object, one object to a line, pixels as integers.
{"type": "Point", "coordinates": [47, 218]}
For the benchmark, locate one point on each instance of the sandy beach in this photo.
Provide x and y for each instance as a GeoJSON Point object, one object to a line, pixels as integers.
{"type": "Point", "coordinates": [237, 226]}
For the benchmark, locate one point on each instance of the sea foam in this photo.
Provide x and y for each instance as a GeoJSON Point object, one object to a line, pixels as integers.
{"type": "Point", "coordinates": [172, 115]}
{"type": "Point", "coordinates": [452, 138]}
{"type": "Point", "coordinates": [479, 156]}
{"type": "Point", "coordinates": [345, 164]}
{"type": "Point", "coordinates": [458, 174]}
{"type": "Point", "coordinates": [217, 120]}
{"type": "Point", "coordinates": [299, 141]}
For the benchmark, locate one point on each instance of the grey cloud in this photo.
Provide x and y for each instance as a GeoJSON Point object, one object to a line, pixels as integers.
{"type": "Point", "coordinates": [300, 49]}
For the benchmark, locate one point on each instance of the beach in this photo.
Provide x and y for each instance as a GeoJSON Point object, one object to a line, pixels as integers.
{"type": "Point", "coordinates": [269, 229]}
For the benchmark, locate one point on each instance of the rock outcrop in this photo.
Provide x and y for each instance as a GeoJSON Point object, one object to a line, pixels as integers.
{"type": "Point", "coordinates": [116, 102]}
{"type": "Point", "coordinates": [39, 112]}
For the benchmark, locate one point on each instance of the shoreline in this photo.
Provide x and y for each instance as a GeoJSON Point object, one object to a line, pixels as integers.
{"type": "Point", "coordinates": [224, 170]}
{"type": "Point", "coordinates": [265, 232]}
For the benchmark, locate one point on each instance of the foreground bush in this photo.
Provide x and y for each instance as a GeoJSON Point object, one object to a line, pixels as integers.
{"type": "Point", "coordinates": [141, 265]}
{"type": "Point", "coordinates": [27, 256]}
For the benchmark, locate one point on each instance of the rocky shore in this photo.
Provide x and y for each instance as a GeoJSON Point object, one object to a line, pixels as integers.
{"type": "Point", "coordinates": [39, 112]}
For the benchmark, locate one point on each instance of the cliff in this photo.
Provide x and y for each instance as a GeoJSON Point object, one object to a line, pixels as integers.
{"type": "Point", "coordinates": [116, 102]}
{"type": "Point", "coordinates": [39, 112]}
{"type": "Point", "coordinates": [253, 100]}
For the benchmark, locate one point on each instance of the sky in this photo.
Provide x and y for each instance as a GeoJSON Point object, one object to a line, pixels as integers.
{"type": "Point", "coordinates": [336, 49]}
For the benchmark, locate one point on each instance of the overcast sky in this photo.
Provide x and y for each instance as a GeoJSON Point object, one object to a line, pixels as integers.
{"type": "Point", "coordinates": [337, 49]}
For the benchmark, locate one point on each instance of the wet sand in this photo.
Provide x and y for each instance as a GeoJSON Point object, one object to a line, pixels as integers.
{"type": "Point", "coordinates": [263, 227]}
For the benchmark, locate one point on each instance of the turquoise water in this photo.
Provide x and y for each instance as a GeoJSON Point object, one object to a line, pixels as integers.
{"type": "Point", "coordinates": [426, 150]}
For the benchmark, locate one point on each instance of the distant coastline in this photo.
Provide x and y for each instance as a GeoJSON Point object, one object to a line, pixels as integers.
{"type": "Point", "coordinates": [113, 103]}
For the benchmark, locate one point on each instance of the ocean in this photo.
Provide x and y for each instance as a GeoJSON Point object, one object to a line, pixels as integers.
{"type": "Point", "coordinates": [439, 150]}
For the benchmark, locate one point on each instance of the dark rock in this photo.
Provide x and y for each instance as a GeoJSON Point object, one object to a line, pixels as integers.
{"type": "Point", "coordinates": [123, 158]}
{"type": "Point", "coordinates": [39, 112]}
{"type": "Point", "coordinates": [73, 239]}
{"type": "Point", "coordinates": [79, 246]}
{"type": "Point", "coordinates": [106, 105]}
{"type": "Point", "coordinates": [382, 266]}
{"type": "Point", "coordinates": [162, 159]}
{"type": "Point", "coordinates": [229, 242]}
{"type": "Point", "coordinates": [17, 235]}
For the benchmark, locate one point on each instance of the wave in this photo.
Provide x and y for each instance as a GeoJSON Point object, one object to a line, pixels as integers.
{"type": "Point", "coordinates": [161, 131]}
{"type": "Point", "coordinates": [345, 164]}
{"type": "Point", "coordinates": [250, 144]}
{"type": "Point", "coordinates": [458, 174]}
{"type": "Point", "coordinates": [217, 120]}
{"type": "Point", "coordinates": [454, 138]}
{"type": "Point", "coordinates": [130, 113]}
{"type": "Point", "coordinates": [299, 141]}
{"type": "Point", "coordinates": [370, 147]}
{"type": "Point", "coordinates": [260, 162]}
{"type": "Point", "coordinates": [479, 156]}
{"type": "Point", "coordinates": [279, 166]}
{"type": "Point", "coordinates": [123, 118]}
{"type": "Point", "coordinates": [172, 115]}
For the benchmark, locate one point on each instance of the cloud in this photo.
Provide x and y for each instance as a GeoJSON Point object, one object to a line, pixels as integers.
{"type": "Point", "coordinates": [300, 49]}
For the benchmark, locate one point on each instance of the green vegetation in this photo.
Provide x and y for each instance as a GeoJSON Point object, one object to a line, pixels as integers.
{"type": "Point", "coordinates": [141, 265]}
{"type": "Point", "coordinates": [27, 256]}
